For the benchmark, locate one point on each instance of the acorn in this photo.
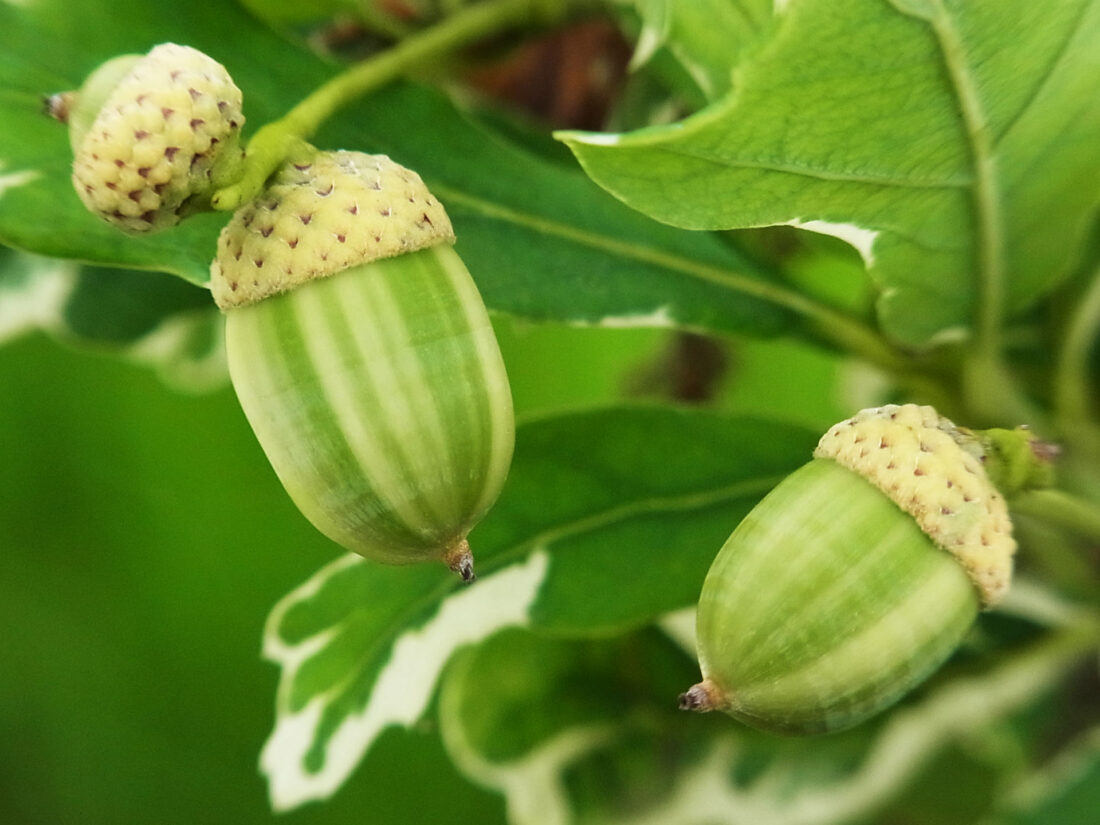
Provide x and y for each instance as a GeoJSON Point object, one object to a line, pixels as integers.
{"type": "Point", "coordinates": [153, 136]}
{"type": "Point", "coordinates": [860, 573]}
{"type": "Point", "coordinates": [363, 357]}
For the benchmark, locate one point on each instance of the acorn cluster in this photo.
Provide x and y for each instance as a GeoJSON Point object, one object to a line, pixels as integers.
{"type": "Point", "coordinates": [358, 344]}
{"type": "Point", "coordinates": [364, 359]}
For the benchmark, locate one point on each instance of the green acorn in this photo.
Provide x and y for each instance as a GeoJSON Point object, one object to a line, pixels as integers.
{"type": "Point", "coordinates": [364, 359]}
{"type": "Point", "coordinates": [859, 574]}
{"type": "Point", "coordinates": [153, 136]}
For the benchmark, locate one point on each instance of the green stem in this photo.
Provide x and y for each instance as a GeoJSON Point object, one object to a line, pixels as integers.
{"type": "Point", "coordinates": [380, 21]}
{"type": "Point", "coordinates": [1042, 605]}
{"type": "Point", "coordinates": [990, 387]}
{"type": "Point", "coordinates": [1036, 788]}
{"type": "Point", "coordinates": [1063, 509]}
{"type": "Point", "coordinates": [275, 141]}
{"type": "Point", "coordinates": [1072, 399]}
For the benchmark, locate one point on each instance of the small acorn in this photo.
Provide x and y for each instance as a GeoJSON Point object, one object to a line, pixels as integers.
{"type": "Point", "coordinates": [364, 358]}
{"type": "Point", "coordinates": [860, 573]}
{"type": "Point", "coordinates": [153, 136]}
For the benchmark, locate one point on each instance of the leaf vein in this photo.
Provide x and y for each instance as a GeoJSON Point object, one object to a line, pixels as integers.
{"type": "Point", "coordinates": [344, 691]}
{"type": "Point", "coordinates": [696, 500]}
{"type": "Point", "coordinates": [872, 179]}
{"type": "Point", "coordinates": [1073, 32]}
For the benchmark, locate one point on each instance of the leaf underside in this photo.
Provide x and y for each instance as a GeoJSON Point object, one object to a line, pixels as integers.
{"type": "Point", "coordinates": [953, 143]}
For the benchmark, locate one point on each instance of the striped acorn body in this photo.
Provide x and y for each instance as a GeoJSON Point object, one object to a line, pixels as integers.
{"type": "Point", "coordinates": [856, 577]}
{"type": "Point", "coordinates": [814, 650]}
{"type": "Point", "coordinates": [375, 386]}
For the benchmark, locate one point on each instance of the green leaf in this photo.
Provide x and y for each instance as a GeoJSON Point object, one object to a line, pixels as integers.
{"type": "Point", "coordinates": [517, 689]}
{"type": "Point", "coordinates": [706, 37]}
{"type": "Point", "coordinates": [527, 716]}
{"type": "Point", "coordinates": [120, 305]}
{"type": "Point", "coordinates": [510, 693]}
{"type": "Point", "coordinates": [542, 241]}
{"type": "Point", "coordinates": [953, 144]}
{"type": "Point", "coordinates": [160, 322]}
{"type": "Point", "coordinates": [164, 323]}
{"type": "Point", "coordinates": [610, 519]}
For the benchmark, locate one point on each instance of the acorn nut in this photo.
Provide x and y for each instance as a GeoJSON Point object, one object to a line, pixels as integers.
{"type": "Point", "coordinates": [153, 136]}
{"type": "Point", "coordinates": [363, 357]}
{"type": "Point", "coordinates": [860, 573]}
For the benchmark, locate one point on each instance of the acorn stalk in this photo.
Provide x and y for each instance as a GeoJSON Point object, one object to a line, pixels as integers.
{"type": "Point", "coordinates": [364, 358]}
{"type": "Point", "coordinates": [860, 573]}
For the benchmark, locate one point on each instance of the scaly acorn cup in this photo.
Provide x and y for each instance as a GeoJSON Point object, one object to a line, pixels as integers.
{"type": "Point", "coordinates": [153, 136]}
{"type": "Point", "coordinates": [860, 573]}
{"type": "Point", "coordinates": [364, 359]}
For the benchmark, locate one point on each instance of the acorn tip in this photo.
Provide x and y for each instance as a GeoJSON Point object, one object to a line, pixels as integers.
{"type": "Point", "coordinates": [700, 698]}
{"type": "Point", "coordinates": [461, 561]}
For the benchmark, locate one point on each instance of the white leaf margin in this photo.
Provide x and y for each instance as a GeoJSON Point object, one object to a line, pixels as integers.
{"type": "Point", "coordinates": [660, 318]}
{"type": "Point", "coordinates": [860, 238]}
{"type": "Point", "coordinates": [403, 688]}
{"type": "Point", "coordinates": [533, 786]}
{"type": "Point", "coordinates": [14, 179]}
{"type": "Point", "coordinates": [38, 301]}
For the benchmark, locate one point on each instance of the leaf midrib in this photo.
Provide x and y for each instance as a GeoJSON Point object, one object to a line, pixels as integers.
{"type": "Point", "coordinates": [985, 190]}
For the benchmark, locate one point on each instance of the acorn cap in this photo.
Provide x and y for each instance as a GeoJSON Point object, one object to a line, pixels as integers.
{"type": "Point", "coordinates": [160, 138]}
{"type": "Point", "coordinates": [934, 471]}
{"type": "Point", "coordinates": [322, 213]}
